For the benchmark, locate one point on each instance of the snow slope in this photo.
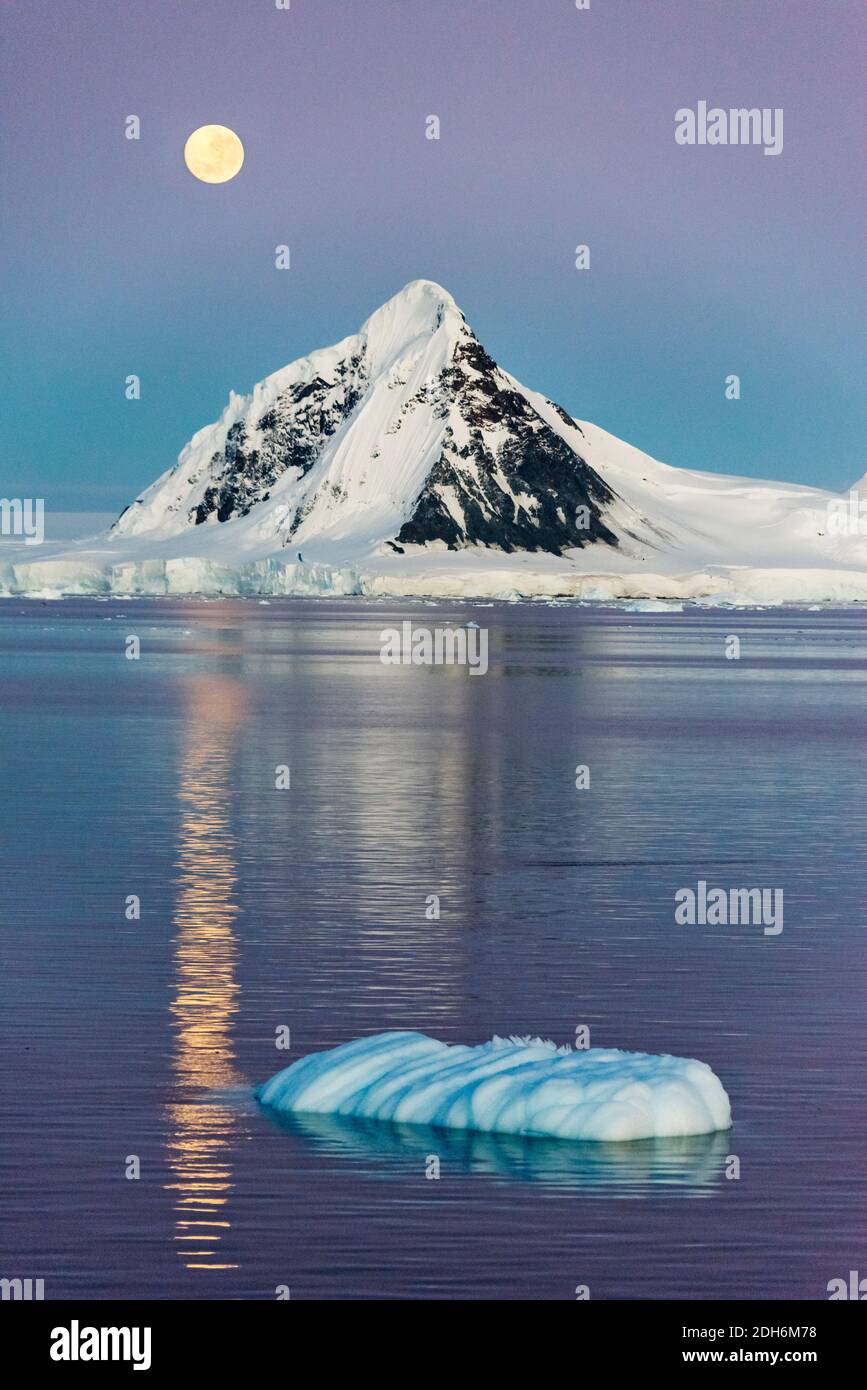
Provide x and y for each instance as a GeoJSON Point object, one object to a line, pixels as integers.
{"type": "Point", "coordinates": [405, 461]}
{"type": "Point", "coordinates": [507, 1086]}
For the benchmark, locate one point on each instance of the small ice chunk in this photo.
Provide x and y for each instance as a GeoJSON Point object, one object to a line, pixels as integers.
{"type": "Point", "coordinates": [506, 1086]}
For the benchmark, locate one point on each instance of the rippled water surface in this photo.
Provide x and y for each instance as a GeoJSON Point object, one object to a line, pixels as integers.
{"type": "Point", "coordinates": [306, 908]}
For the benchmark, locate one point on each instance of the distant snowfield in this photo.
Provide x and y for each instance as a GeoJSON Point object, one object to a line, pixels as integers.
{"type": "Point", "coordinates": [403, 462]}
{"type": "Point", "coordinates": [520, 1086]}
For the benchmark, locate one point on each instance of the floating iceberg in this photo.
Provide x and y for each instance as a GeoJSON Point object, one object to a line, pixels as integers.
{"type": "Point", "coordinates": [518, 1086]}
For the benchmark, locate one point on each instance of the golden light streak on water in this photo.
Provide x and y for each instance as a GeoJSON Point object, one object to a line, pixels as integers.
{"type": "Point", "coordinates": [205, 1000]}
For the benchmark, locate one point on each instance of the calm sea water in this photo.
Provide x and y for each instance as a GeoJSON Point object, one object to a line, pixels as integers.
{"type": "Point", "coordinates": [305, 908]}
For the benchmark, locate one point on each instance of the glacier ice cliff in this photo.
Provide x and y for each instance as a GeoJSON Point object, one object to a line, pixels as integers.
{"type": "Point", "coordinates": [519, 1086]}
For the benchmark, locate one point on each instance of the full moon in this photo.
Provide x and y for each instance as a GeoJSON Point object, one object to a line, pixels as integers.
{"type": "Point", "coordinates": [214, 153]}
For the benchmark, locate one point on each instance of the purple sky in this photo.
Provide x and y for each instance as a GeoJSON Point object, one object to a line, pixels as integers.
{"type": "Point", "coordinates": [557, 128]}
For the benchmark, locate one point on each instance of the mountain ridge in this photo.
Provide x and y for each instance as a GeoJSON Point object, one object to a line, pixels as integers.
{"type": "Point", "coordinates": [476, 462]}
{"type": "Point", "coordinates": [405, 460]}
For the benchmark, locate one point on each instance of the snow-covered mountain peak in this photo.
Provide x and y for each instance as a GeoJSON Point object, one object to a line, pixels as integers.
{"type": "Point", "coordinates": [421, 309]}
{"type": "Point", "coordinates": [405, 434]}
{"type": "Point", "coordinates": [405, 460]}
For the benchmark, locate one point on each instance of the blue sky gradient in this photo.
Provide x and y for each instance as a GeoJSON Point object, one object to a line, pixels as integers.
{"type": "Point", "coordinates": [557, 128]}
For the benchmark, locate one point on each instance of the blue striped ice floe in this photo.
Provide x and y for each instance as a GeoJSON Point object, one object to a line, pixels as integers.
{"type": "Point", "coordinates": [507, 1086]}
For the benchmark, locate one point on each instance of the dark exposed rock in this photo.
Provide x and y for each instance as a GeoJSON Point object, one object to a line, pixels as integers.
{"type": "Point", "coordinates": [294, 431]}
{"type": "Point", "coordinates": [525, 489]}
{"type": "Point", "coordinates": [565, 416]}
